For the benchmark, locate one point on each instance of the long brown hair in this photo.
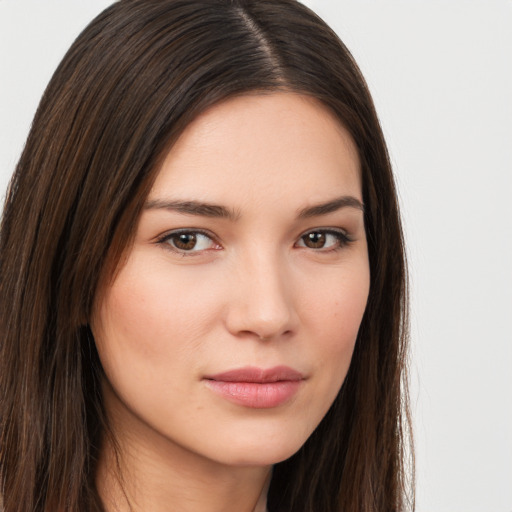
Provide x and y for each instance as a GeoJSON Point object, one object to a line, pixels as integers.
{"type": "Point", "coordinates": [130, 83]}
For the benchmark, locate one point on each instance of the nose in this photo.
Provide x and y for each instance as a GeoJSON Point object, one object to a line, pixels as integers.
{"type": "Point", "coordinates": [262, 300]}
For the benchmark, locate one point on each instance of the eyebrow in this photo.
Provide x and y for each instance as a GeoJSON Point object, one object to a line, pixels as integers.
{"type": "Point", "coordinates": [331, 206]}
{"type": "Point", "coordinates": [193, 208]}
{"type": "Point", "coordinates": [217, 211]}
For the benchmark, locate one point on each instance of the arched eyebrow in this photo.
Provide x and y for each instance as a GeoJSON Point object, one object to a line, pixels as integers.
{"type": "Point", "coordinates": [203, 209]}
{"type": "Point", "coordinates": [331, 206]}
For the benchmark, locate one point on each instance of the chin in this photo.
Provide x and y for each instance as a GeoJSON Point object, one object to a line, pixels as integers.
{"type": "Point", "coordinates": [260, 452]}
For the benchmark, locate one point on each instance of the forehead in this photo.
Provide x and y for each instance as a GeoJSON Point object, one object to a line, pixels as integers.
{"type": "Point", "coordinates": [261, 147]}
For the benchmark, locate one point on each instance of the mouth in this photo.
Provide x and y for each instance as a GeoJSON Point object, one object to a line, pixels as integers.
{"type": "Point", "coordinates": [256, 387]}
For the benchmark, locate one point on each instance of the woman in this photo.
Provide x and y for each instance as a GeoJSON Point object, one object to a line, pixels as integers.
{"type": "Point", "coordinates": [202, 273]}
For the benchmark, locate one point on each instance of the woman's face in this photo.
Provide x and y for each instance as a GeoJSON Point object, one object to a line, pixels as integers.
{"type": "Point", "coordinates": [229, 328]}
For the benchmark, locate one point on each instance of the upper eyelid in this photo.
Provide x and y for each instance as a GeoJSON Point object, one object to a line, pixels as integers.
{"type": "Point", "coordinates": [178, 231]}
{"type": "Point", "coordinates": [208, 233]}
{"type": "Point", "coordinates": [329, 230]}
{"type": "Point", "coordinates": [326, 228]}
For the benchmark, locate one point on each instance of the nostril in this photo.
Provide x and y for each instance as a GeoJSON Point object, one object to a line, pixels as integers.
{"type": "Point", "coordinates": [269, 337]}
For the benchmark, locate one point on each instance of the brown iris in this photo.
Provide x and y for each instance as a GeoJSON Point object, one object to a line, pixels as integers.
{"type": "Point", "coordinates": [315, 240]}
{"type": "Point", "coordinates": [185, 241]}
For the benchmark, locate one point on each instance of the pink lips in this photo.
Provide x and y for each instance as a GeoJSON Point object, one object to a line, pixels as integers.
{"type": "Point", "coordinates": [255, 387]}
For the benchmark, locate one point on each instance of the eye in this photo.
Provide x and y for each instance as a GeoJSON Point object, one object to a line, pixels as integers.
{"type": "Point", "coordinates": [324, 239]}
{"type": "Point", "coordinates": [188, 241]}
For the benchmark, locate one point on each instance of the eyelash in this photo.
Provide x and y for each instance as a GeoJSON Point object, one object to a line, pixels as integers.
{"type": "Point", "coordinates": [342, 240]}
{"type": "Point", "coordinates": [165, 240]}
{"type": "Point", "coordinates": [341, 236]}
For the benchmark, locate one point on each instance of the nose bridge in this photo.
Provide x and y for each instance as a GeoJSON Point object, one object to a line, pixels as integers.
{"type": "Point", "coordinates": [263, 304]}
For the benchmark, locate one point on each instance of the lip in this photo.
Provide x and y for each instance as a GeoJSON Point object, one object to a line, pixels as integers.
{"type": "Point", "coordinates": [256, 388]}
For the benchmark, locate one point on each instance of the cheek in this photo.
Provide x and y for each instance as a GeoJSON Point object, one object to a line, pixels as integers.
{"type": "Point", "coordinates": [143, 323]}
{"type": "Point", "coordinates": [334, 318]}
{"type": "Point", "coordinates": [339, 302]}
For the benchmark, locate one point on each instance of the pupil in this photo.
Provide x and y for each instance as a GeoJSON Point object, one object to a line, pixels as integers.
{"type": "Point", "coordinates": [315, 240]}
{"type": "Point", "coordinates": [185, 241]}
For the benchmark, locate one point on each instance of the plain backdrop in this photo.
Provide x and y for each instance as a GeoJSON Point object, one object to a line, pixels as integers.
{"type": "Point", "coordinates": [441, 76]}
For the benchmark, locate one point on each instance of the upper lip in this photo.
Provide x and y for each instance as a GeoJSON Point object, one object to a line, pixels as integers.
{"type": "Point", "coordinates": [258, 375]}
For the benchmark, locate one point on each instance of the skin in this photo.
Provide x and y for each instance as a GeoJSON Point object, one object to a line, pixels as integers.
{"type": "Point", "coordinates": [252, 291]}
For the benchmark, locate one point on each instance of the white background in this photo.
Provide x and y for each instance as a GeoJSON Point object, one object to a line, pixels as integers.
{"type": "Point", "coordinates": [441, 76]}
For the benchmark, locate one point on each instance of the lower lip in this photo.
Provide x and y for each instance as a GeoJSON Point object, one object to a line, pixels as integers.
{"type": "Point", "coordinates": [264, 395]}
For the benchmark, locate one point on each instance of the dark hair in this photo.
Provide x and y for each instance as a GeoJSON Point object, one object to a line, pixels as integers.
{"type": "Point", "coordinates": [128, 86]}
